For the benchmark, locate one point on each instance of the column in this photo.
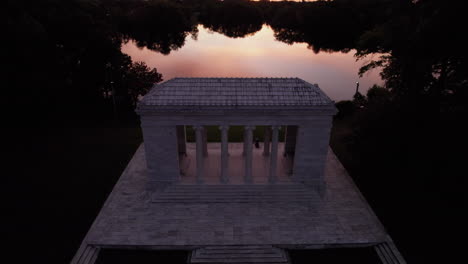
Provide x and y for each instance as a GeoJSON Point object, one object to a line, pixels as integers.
{"type": "Point", "coordinates": [266, 141]}
{"type": "Point", "coordinates": [248, 153]}
{"type": "Point", "coordinates": [205, 141]}
{"type": "Point", "coordinates": [224, 154]}
{"type": "Point", "coordinates": [274, 154]}
{"type": "Point", "coordinates": [199, 153]}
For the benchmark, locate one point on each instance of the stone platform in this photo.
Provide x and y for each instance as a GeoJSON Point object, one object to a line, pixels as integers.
{"type": "Point", "coordinates": [139, 215]}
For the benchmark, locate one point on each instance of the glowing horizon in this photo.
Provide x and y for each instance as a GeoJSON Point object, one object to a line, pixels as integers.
{"type": "Point", "coordinates": [258, 55]}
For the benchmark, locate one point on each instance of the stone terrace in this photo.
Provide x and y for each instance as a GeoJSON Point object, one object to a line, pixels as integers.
{"type": "Point", "coordinates": [229, 202]}
{"type": "Point", "coordinates": [132, 217]}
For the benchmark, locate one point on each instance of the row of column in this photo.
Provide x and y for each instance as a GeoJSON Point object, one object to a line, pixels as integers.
{"type": "Point", "coordinates": [200, 138]}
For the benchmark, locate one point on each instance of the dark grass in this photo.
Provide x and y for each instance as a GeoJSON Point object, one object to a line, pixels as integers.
{"type": "Point", "coordinates": [235, 133]}
{"type": "Point", "coordinates": [59, 177]}
{"type": "Point", "coordinates": [422, 223]}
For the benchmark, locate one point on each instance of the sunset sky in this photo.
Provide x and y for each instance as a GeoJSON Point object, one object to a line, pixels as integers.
{"type": "Point", "coordinates": [259, 55]}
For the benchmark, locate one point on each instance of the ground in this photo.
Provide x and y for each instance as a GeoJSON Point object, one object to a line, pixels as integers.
{"type": "Point", "coordinates": [133, 216]}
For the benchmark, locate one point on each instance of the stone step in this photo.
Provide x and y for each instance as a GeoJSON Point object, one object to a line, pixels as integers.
{"type": "Point", "coordinates": [247, 186]}
{"type": "Point", "coordinates": [389, 254]}
{"type": "Point", "coordinates": [239, 254]}
{"type": "Point", "coordinates": [239, 187]}
{"type": "Point", "coordinates": [240, 190]}
{"type": "Point", "coordinates": [214, 200]}
{"type": "Point", "coordinates": [231, 193]}
{"type": "Point", "coordinates": [86, 255]}
{"type": "Point", "coordinates": [234, 247]}
{"type": "Point", "coordinates": [234, 194]}
{"type": "Point", "coordinates": [284, 187]}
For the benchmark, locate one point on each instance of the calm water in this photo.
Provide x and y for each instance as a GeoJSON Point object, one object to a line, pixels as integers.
{"type": "Point", "coordinates": [258, 55]}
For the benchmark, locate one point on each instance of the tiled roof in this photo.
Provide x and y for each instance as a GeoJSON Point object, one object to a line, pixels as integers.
{"type": "Point", "coordinates": [236, 92]}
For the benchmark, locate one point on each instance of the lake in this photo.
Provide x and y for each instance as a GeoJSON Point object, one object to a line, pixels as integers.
{"type": "Point", "coordinates": [258, 55]}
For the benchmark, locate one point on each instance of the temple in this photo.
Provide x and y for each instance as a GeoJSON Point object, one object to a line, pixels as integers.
{"type": "Point", "coordinates": [302, 109]}
{"type": "Point", "coordinates": [271, 183]}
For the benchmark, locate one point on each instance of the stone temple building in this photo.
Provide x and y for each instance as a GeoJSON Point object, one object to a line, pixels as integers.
{"type": "Point", "coordinates": [236, 202]}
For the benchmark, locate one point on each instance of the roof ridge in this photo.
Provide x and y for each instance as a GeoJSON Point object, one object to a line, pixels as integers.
{"type": "Point", "coordinates": [237, 92]}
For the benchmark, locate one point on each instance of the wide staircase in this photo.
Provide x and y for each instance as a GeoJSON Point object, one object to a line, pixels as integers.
{"type": "Point", "coordinates": [269, 193]}
{"type": "Point", "coordinates": [389, 254]}
{"type": "Point", "coordinates": [239, 254]}
{"type": "Point", "coordinates": [87, 254]}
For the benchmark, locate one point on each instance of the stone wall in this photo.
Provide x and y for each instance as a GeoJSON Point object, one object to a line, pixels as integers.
{"type": "Point", "coordinates": [312, 137]}
{"type": "Point", "coordinates": [161, 152]}
{"type": "Point", "coordinates": [311, 152]}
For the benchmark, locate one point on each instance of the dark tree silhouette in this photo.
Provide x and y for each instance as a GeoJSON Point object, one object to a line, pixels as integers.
{"type": "Point", "coordinates": [412, 131]}
{"type": "Point", "coordinates": [139, 79]}
{"type": "Point", "coordinates": [232, 18]}
{"type": "Point", "coordinates": [161, 26]}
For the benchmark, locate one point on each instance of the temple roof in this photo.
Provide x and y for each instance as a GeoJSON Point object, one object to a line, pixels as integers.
{"type": "Point", "coordinates": [235, 93]}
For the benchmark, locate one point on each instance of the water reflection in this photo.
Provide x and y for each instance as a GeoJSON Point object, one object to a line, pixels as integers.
{"type": "Point", "coordinates": [233, 19]}
{"type": "Point", "coordinates": [143, 24]}
{"type": "Point", "coordinates": [258, 55]}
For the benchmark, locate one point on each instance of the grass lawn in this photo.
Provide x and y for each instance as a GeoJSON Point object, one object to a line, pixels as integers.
{"type": "Point", "coordinates": [235, 133]}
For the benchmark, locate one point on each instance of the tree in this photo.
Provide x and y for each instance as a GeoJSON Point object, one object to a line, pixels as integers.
{"type": "Point", "coordinates": [424, 57]}
{"type": "Point", "coordinates": [345, 108]}
{"type": "Point", "coordinates": [378, 95]}
{"type": "Point", "coordinates": [139, 79]}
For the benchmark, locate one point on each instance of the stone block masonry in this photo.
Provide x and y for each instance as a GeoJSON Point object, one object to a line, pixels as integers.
{"type": "Point", "coordinates": [161, 152]}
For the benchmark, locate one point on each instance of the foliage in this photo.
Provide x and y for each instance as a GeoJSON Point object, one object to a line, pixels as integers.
{"type": "Point", "coordinates": [426, 60]}
{"type": "Point", "coordinates": [409, 137]}
{"type": "Point", "coordinates": [158, 25]}
{"type": "Point", "coordinates": [141, 78]}
{"type": "Point", "coordinates": [378, 95]}
{"type": "Point", "coordinates": [345, 108]}
{"type": "Point", "coordinates": [74, 41]}
{"type": "Point", "coordinates": [426, 79]}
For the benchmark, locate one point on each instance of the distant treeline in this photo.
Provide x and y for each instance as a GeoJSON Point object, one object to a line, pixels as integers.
{"type": "Point", "coordinates": [324, 25]}
{"type": "Point", "coordinates": [407, 142]}
{"type": "Point", "coordinates": [64, 56]}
